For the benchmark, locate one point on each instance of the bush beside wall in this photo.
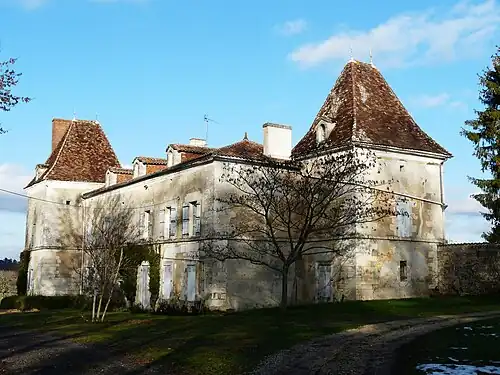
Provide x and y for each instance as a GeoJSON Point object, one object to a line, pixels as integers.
{"type": "Point", "coordinates": [469, 269]}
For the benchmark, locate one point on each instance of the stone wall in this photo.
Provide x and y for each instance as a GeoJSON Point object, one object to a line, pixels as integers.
{"type": "Point", "coordinates": [470, 268]}
{"type": "Point", "coordinates": [7, 283]}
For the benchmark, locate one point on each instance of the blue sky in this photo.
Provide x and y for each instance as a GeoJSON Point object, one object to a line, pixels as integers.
{"type": "Point", "coordinates": [150, 70]}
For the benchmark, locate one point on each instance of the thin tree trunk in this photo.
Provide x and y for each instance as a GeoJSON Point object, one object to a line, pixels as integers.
{"type": "Point", "coordinates": [115, 279]}
{"type": "Point", "coordinates": [284, 288]}
{"type": "Point", "coordinates": [100, 304]}
{"type": "Point", "coordinates": [93, 306]}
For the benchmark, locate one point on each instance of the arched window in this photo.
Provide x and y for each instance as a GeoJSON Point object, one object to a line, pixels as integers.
{"type": "Point", "coordinates": [321, 133]}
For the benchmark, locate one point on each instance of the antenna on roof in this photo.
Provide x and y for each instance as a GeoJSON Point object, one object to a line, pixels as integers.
{"type": "Point", "coordinates": [207, 120]}
{"type": "Point", "coordinates": [371, 57]}
{"type": "Point", "coordinates": [350, 53]}
{"type": "Point", "coordinates": [96, 117]}
{"type": "Point", "coordinates": [74, 115]}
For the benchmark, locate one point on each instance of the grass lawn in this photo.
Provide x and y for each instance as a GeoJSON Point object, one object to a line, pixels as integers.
{"type": "Point", "coordinates": [472, 348]}
{"type": "Point", "coordinates": [231, 343]}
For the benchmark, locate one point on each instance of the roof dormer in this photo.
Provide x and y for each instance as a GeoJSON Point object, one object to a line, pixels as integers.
{"type": "Point", "coordinates": [139, 168]}
{"type": "Point", "coordinates": [323, 131]}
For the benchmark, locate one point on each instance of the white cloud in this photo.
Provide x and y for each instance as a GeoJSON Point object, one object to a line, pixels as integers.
{"type": "Point", "coordinates": [35, 4]}
{"type": "Point", "coordinates": [464, 222]}
{"type": "Point", "coordinates": [13, 178]}
{"type": "Point", "coordinates": [411, 39]}
{"type": "Point", "coordinates": [12, 231]}
{"type": "Point", "coordinates": [292, 27]}
{"type": "Point", "coordinates": [427, 101]}
{"type": "Point", "coordinates": [438, 100]}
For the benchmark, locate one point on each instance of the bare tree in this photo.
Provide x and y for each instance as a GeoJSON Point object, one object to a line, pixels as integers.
{"type": "Point", "coordinates": [8, 79]}
{"type": "Point", "coordinates": [111, 229]}
{"type": "Point", "coordinates": [288, 210]}
{"type": "Point", "coordinates": [107, 231]}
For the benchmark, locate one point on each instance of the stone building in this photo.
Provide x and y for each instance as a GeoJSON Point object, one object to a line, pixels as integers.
{"type": "Point", "coordinates": [175, 196]}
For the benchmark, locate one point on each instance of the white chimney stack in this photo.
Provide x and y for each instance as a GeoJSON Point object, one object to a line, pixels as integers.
{"type": "Point", "coordinates": [277, 140]}
{"type": "Point", "coordinates": [197, 142]}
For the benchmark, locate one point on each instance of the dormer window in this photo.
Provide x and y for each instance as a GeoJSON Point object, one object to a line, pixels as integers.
{"type": "Point", "coordinates": [323, 131]}
{"type": "Point", "coordinates": [139, 169]}
{"type": "Point", "coordinates": [170, 159]}
{"type": "Point", "coordinates": [110, 178]}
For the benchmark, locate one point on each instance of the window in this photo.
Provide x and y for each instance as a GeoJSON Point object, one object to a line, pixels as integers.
{"type": "Point", "coordinates": [403, 270]}
{"type": "Point", "coordinates": [324, 282]}
{"type": "Point", "coordinates": [161, 219]}
{"type": "Point", "coordinates": [403, 217]}
{"type": "Point", "coordinates": [185, 220]}
{"type": "Point", "coordinates": [196, 219]}
{"type": "Point", "coordinates": [190, 287]}
{"type": "Point", "coordinates": [173, 222]}
{"type": "Point", "coordinates": [321, 133]}
{"type": "Point", "coordinates": [146, 224]}
{"type": "Point", "coordinates": [68, 203]}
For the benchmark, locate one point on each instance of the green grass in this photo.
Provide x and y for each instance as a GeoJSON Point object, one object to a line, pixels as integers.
{"type": "Point", "coordinates": [231, 343]}
{"type": "Point", "coordinates": [474, 344]}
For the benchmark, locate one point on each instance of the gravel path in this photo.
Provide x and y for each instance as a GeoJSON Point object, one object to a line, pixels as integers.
{"type": "Point", "coordinates": [29, 353]}
{"type": "Point", "coordinates": [368, 350]}
{"type": "Point", "coordinates": [364, 351]}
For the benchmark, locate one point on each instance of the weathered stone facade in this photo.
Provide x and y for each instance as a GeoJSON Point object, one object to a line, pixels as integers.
{"type": "Point", "coordinates": [470, 268]}
{"type": "Point", "coordinates": [175, 205]}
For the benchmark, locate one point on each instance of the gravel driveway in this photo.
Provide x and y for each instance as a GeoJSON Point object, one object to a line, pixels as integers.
{"type": "Point", "coordinates": [364, 351]}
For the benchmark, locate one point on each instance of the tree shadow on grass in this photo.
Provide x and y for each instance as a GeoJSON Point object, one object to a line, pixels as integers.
{"type": "Point", "coordinates": [207, 344]}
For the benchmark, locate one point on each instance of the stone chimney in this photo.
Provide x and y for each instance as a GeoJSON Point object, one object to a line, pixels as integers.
{"type": "Point", "coordinates": [59, 129]}
{"type": "Point", "coordinates": [277, 141]}
{"type": "Point", "coordinates": [197, 142]}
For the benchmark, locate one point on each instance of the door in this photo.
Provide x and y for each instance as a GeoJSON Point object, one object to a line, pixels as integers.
{"type": "Point", "coordinates": [324, 282]}
{"type": "Point", "coordinates": [30, 282]}
{"type": "Point", "coordinates": [167, 280]}
{"type": "Point", "coordinates": [191, 282]}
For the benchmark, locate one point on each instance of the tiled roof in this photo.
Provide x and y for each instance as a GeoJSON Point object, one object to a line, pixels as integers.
{"type": "Point", "coordinates": [245, 149]}
{"type": "Point", "coordinates": [121, 170]}
{"type": "Point", "coordinates": [191, 149]}
{"type": "Point", "coordinates": [83, 154]}
{"type": "Point", "coordinates": [363, 108]}
{"type": "Point", "coordinates": [153, 161]}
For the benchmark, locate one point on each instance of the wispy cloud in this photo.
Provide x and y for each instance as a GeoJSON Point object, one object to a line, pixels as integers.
{"type": "Point", "coordinates": [13, 178]}
{"type": "Point", "coordinates": [437, 100]}
{"type": "Point", "coordinates": [464, 222]}
{"type": "Point", "coordinates": [292, 27]}
{"type": "Point", "coordinates": [419, 38]}
{"type": "Point", "coordinates": [35, 4]}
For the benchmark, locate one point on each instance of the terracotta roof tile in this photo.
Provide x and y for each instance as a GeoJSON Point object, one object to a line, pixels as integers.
{"type": "Point", "coordinates": [191, 149]}
{"type": "Point", "coordinates": [121, 170]}
{"type": "Point", "coordinates": [152, 161]}
{"type": "Point", "coordinates": [363, 108]}
{"type": "Point", "coordinates": [243, 149]}
{"type": "Point", "coordinates": [83, 154]}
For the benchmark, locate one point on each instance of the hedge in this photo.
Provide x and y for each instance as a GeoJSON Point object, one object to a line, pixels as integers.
{"type": "Point", "coordinates": [44, 302]}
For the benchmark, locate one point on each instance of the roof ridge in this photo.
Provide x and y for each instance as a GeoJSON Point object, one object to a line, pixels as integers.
{"type": "Point", "coordinates": [66, 136]}
{"type": "Point", "coordinates": [409, 114]}
{"type": "Point", "coordinates": [353, 103]}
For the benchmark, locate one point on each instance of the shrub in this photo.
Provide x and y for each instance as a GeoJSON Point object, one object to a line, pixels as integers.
{"type": "Point", "coordinates": [45, 302]}
{"type": "Point", "coordinates": [176, 306]}
{"type": "Point", "coordinates": [22, 273]}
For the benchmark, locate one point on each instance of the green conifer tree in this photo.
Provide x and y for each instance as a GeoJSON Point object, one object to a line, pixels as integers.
{"type": "Point", "coordinates": [484, 133]}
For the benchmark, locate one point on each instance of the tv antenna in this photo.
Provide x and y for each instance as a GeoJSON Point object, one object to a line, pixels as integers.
{"type": "Point", "coordinates": [207, 120]}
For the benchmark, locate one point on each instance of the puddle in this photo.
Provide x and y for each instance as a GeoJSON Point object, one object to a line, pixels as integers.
{"type": "Point", "coordinates": [451, 369]}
